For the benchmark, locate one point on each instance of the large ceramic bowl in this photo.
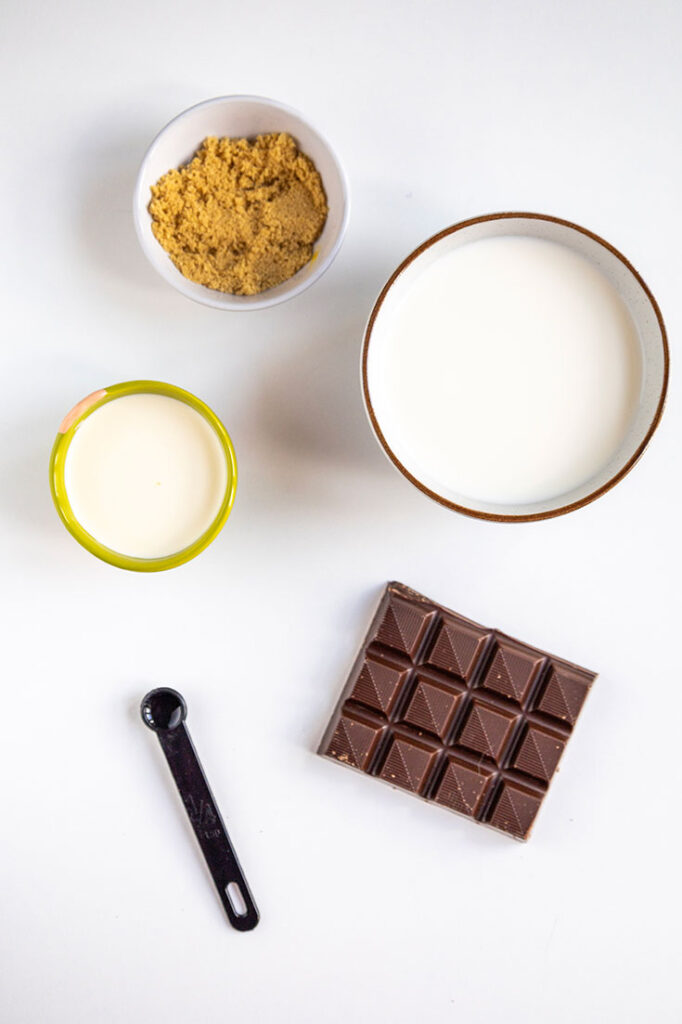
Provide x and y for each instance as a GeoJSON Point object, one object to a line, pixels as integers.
{"type": "Point", "coordinates": [630, 288]}
{"type": "Point", "coordinates": [240, 117]}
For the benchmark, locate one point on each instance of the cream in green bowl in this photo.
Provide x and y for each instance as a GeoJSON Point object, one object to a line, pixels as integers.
{"type": "Point", "coordinates": [143, 475]}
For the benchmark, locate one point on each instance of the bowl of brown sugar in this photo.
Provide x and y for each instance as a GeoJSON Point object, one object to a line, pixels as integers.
{"type": "Point", "coordinates": [240, 203]}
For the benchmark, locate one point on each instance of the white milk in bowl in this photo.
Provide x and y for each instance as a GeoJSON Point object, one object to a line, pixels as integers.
{"type": "Point", "coordinates": [145, 475]}
{"type": "Point", "coordinates": [506, 373]}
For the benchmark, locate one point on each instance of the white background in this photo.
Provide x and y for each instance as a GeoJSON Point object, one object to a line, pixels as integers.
{"type": "Point", "coordinates": [375, 907]}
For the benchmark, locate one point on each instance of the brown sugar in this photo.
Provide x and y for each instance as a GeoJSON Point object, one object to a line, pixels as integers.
{"type": "Point", "coordinates": [241, 216]}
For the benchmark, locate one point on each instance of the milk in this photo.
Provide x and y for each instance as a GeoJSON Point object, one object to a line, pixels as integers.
{"type": "Point", "coordinates": [508, 371]}
{"type": "Point", "coordinates": [145, 475]}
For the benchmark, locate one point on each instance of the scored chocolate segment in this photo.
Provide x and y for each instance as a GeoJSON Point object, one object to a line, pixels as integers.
{"type": "Point", "coordinates": [379, 684]}
{"type": "Point", "coordinates": [512, 671]}
{"type": "Point", "coordinates": [538, 753]}
{"type": "Point", "coordinates": [462, 786]}
{"type": "Point", "coordinates": [432, 707]}
{"type": "Point", "coordinates": [463, 716]}
{"type": "Point", "coordinates": [487, 730]}
{"type": "Point", "coordinates": [457, 647]}
{"type": "Point", "coordinates": [515, 810]}
{"type": "Point", "coordinates": [354, 741]}
{"type": "Point", "coordinates": [403, 625]}
{"type": "Point", "coordinates": [564, 692]}
{"type": "Point", "coordinates": [408, 763]}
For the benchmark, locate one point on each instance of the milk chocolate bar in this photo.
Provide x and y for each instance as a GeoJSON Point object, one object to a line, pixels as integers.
{"type": "Point", "coordinates": [463, 716]}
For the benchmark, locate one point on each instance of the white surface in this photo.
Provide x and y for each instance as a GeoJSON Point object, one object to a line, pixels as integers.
{"type": "Point", "coordinates": [508, 371]}
{"type": "Point", "coordinates": [145, 475]}
{"type": "Point", "coordinates": [372, 903]}
{"type": "Point", "coordinates": [239, 117]}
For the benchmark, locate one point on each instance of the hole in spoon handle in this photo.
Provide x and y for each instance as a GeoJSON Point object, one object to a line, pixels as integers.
{"type": "Point", "coordinates": [239, 905]}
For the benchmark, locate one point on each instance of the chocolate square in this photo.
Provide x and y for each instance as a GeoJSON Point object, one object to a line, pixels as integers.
{"type": "Point", "coordinates": [462, 786]}
{"type": "Point", "coordinates": [408, 763]}
{"type": "Point", "coordinates": [354, 741]}
{"type": "Point", "coordinates": [378, 685]}
{"type": "Point", "coordinates": [432, 707]}
{"type": "Point", "coordinates": [538, 753]}
{"type": "Point", "coordinates": [457, 647]}
{"type": "Point", "coordinates": [514, 810]}
{"type": "Point", "coordinates": [512, 670]}
{"type": "Point", "coordinates": [487, 730]}
{"type": "Point", "coordinates": [403, 625]}
{"type": "Point", "coordinates": [564, 691]}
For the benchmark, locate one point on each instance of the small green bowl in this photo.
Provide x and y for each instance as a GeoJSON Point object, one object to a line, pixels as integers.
{"type": "Point", "coordinates": [68, 428]}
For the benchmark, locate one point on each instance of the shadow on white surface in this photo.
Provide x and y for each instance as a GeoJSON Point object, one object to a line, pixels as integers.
{"type": "Point", "coordinates": [312, 407]}
{"type": "Point", "coordinates": [305, 446]}
{"type": "Point", "coordinates": [309, 405]}
{"type": "Point", "coordinates": [112, 150]}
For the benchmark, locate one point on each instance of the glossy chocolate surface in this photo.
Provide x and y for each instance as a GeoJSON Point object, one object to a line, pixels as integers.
{"type": "Point", "coordinates": [464, 716]}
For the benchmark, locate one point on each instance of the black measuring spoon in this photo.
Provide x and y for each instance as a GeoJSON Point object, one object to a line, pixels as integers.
{"type": "Point", "coordinates": [164, 712]}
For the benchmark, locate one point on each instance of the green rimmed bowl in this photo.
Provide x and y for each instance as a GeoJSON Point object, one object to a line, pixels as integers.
{"type": "Point", "coordinates": [65, 435]}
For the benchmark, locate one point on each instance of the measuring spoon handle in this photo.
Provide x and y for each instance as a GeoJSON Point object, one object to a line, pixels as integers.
{"type": "Point", "coordinates": [209, 828]}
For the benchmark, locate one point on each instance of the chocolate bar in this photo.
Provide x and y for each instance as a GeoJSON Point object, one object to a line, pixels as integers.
{"type": "Point", "coordinates": [463, 716]}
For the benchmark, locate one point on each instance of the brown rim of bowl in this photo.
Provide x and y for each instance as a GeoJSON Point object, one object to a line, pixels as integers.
{"type": "Point", "coordinates": [495, 516]}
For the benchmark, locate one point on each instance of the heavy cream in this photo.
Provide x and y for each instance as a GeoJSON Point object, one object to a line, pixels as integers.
{"type": "Point", "coordinates": [507, 371]}
{"type": "Point", "coordinates": [145, 475]}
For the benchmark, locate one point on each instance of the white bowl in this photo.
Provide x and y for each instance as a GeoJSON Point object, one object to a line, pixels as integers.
{"type": "Point", "coordinates": [240, 117]}
{"type": "Point", "coordinates": [627, 283]}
